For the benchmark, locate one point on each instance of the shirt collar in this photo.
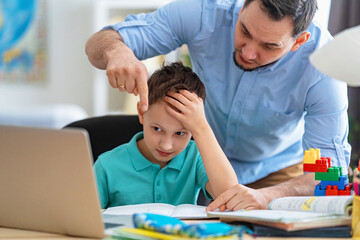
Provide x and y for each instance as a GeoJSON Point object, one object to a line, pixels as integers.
{"type": "Point", "coordinates": [138, 160]}
{"type": "Point", "coordinates": [177, 162]}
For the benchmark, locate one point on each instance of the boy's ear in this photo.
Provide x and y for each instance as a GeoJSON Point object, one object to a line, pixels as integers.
{"type": "Point", "coordinates": [303, 38]}
{"type": "Point", "coordinates": [140, 114]}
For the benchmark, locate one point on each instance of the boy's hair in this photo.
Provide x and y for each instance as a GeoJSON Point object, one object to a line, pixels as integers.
{"type": "Point", "coordinates": [300, 11]}
{"type": "Point", "coordinates": [172, 78]}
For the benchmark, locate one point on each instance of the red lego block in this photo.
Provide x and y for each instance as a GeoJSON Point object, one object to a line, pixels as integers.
{"type": "Point", "coordinates": [309, 167]}
{"type": "Point", "coordinates": [323, 163]}
{"type": "Point", "coordinates": [347, 190]}
{"type": "Point", "coordinates": [332, 191]}
{"type": "Point", "coordinates": [320, 165]}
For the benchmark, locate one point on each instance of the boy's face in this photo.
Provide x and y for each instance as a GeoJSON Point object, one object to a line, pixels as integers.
{"type": "Point", "coordinates": [164, 136]}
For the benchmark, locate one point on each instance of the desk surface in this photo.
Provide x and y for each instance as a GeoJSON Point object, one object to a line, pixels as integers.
{"type": "Point", "coordinates": [17, 234]}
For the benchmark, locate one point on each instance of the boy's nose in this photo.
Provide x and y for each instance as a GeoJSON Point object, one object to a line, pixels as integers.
{"type": "Point", "coordinates": [166, 143]}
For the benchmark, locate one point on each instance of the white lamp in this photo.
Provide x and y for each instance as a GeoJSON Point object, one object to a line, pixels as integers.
{"type": "Point", "coordinates": [340, 58]}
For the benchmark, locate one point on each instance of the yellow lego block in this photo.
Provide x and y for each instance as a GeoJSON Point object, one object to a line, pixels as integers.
{"type": "Point", "coordinates": [311, 155]}
{"type": "Point", "coordinates": [317, 152]}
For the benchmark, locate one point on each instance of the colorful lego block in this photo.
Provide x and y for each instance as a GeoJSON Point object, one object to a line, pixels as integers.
{"type": "Point", "coordinates": [332, 183]}
{"type": "Point", "coordinates": [321, 165]}
{"type": "Point", "coordinates": [332, 174]}
{"type": "Point", "coordinates": [343, 181]}
{"type": "Point", "coordinates": [318, 191]}
{"type": "Point", "coordinates": [346, 191]}
{"type": "Point", "coordinates": [309, 167]}
{"type": "Point", "coordinates": [332, 190]}
{"type": "Point", "coordinates": [311, 155]}
{"type": "Point", "coordinates": [324, 162]}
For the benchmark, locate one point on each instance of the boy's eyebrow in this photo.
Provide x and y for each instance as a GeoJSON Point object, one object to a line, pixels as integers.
{"type": "Point", "coordinates": [181, 129]}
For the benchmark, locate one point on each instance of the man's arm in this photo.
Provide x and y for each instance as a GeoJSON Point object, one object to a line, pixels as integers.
{"type": "Point", "coordinates": [143, 36]}
{"type": "Point", "coordinates": [191, 114]}
{"type": "Point", "coordinates": [241, 197]}
{"type": "Point", "coordinates": [106, 50]}
{"type": "Point", "coordinates": [100, 43]}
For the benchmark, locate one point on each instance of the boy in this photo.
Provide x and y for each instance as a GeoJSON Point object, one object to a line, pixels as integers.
{"type": "Point", "coordinates": [161, 164]}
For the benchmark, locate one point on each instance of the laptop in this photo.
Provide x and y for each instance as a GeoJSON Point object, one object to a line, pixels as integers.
{"type": "Point", "coordinates": [47, 182]}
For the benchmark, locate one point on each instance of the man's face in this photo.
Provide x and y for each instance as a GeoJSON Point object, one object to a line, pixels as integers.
{"type": "Point", "coordinates": [260, 40]}
{"type": "Point", "coordinates": [164, 136]}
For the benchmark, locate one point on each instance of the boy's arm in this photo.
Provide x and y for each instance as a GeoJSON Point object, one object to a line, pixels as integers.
{"type": "Point", "coordinates": [188, 108]}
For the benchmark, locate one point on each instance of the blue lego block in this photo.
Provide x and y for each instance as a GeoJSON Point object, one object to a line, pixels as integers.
{"type": "Point", "coordinates": [318, 191]}
{"type": "Point", "coordinates": [343, 181]}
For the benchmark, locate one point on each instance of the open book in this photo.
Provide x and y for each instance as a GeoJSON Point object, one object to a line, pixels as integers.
{"type": "Point", "coordinates": [183, 211]}
{"type": "Point", "coordinates": [297, 213]}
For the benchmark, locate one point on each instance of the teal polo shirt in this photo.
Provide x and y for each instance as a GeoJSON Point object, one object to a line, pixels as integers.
{"type": "Point", "coordinates": [124, 176]}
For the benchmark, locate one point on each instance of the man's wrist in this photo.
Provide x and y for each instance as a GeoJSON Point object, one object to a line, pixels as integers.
{"type": "Point", "coordinates": [113, 50]}
{"type": "Point", "coordinates": [269, 194]}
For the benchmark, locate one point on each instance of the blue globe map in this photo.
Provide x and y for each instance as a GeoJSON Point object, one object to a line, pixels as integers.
{"type": "Point", "coordinates": [16, 16]}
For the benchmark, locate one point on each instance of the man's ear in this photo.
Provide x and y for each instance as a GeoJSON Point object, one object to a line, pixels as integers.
{"type": "Point", "coordinates": [140, 113]}
{"type": "Point", "coordinates": [300, 41]}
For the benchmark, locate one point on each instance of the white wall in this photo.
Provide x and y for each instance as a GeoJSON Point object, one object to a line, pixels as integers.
{"type": "Point", "coordinates": [323, 13]}
{"type": "Point", "coordinates": [70, 75]}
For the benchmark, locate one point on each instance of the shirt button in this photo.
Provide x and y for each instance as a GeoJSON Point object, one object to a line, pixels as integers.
{"type": "Point", "coordinates": [158, 197]}
{"type": "Point", "coordinates": [158, 183]}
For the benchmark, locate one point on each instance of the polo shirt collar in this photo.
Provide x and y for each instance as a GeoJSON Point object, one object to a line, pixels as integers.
{"type": "Point", "coordinates": [177, 162]}
{"type": "Point", "coordinates": [140, 162]}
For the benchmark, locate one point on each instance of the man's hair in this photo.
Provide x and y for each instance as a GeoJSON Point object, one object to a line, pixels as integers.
{"type": "Point", "coordinates": [300, 11]}
{"type": "Point", "coordinates": [172, 78]}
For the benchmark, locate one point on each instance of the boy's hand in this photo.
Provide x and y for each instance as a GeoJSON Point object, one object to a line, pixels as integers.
{"type": "Point", "coordinates": [188, 108]}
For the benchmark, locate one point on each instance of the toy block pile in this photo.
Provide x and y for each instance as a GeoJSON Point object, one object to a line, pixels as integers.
{"type": "Point", "coordinates": [332, 181]}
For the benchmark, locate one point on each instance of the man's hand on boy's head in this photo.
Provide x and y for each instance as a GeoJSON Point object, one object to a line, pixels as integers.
{"type": "Point", "coordinates": [188, 108]}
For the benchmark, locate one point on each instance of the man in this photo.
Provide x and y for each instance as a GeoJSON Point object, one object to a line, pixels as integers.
{"type": "Point", "coordinates": [266, 102]}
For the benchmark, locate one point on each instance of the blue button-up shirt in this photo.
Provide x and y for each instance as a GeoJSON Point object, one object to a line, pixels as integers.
{"type": "Point", "coordinates": [263, 119]}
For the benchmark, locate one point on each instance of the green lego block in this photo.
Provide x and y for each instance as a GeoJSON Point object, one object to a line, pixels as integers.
{"type": "Point", "coordinates": [332, 174]}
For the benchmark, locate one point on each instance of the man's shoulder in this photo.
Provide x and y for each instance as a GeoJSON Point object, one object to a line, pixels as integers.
{"type": "Point", "coordinates": [207, 5]}
{"type": "Point", "coordinates": [219, 7]}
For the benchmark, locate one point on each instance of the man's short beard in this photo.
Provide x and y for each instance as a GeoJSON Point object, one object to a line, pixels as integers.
{"type": "Point", "coordinates": [249, 69]}
{"type": "Point", "coordinates": [241, 67]}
